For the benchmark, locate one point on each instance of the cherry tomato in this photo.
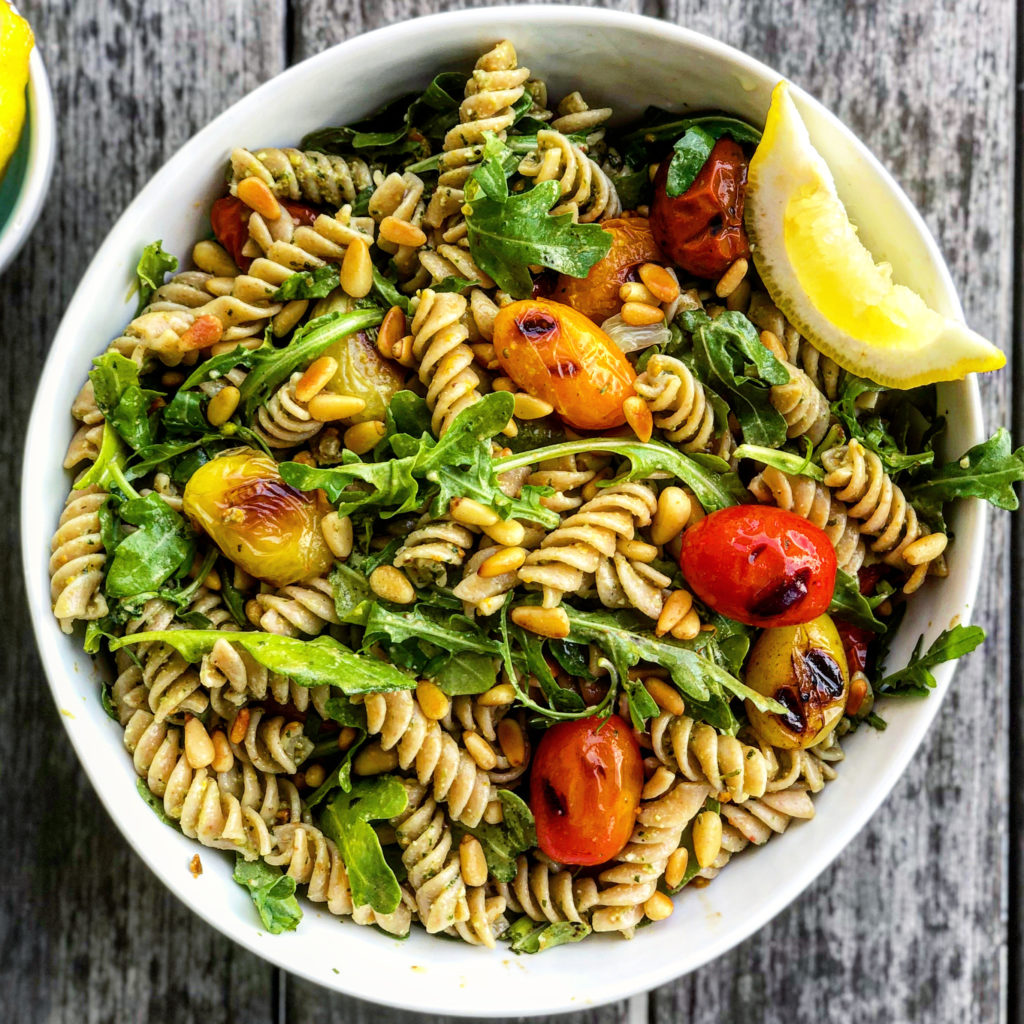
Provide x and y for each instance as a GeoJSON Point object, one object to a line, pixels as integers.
{"type": "Point", "coordinates": [229, 218]}
{"type": "Point", "coordinates": [856, 639]}
{"type": "Point", "coordinates": [555, 353]}
{"type": "Point", "coordinates": [597, 294]}
{"type": "Point", "coordinates": [585, 789]}
{"type": "Point", "coordinates": [702, 230]}
{"type": "Point", "coordinates": [760, 565]}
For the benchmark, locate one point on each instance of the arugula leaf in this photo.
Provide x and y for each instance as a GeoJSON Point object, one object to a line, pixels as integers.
{"type": "Point", "coordinates": [507, 232]}
{"type": "Point", "coordinates": [690, 154]}
{"type": "Point", "coordinates": [308, 662]}
{"type": "Point", "coordinates": [916, 678]}
{"type": "Point", "coordinates": [849, 604]}
{"type": "Point", "coordinates": [788, 462]}
{"type": "Point", "coordinates": [452, 284]}
{"type": "Point", "coordinates": [468, 674]}
{"type": "Point", "coordinates": [156, 805]}
{"type": "Point", "coordinates": [634, 188]}
{"type": "Point", "coordinates": [560, 698]}
{"type": "Point", "coordinates": [526, 936]}
{"type": "Point", "coordinates": [458, 635]}
{"type": "Point", "coordinates": [272, 892]}
{"type": "Point", "coordinates": [387, 292]}
{"type": "Point", "coordinates": [308, 285]}
{"type": "Point", "coordinates": [350, 588]}
{"type": "Point", "coordinates": [348, 714]}
{"type": "Point", "coordinates": [185, 415]}
{"type": "Point", "coordinates": [161, 546]}
{"type": "Point", "coordinates": [658, 127]}
{"type": "Point", "coordinates": [572, 657]}
{"type": "Point", "coordinates": [408, 413]}
{"type": "Point", "coordinates": [124, 404]}
{"type": "Point", "coordinates": [502, 843]}
{"type": "Point", "coordinates": [153, 264]}
{"type": "Point", "coordinates": [346, 820]}
{"type": "Point", "coordinates": [217, 366]}
{"type": "Point", "coordinates": [108, 469]}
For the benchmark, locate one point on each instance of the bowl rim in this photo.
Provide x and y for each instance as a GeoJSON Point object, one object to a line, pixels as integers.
{"type": "Point", "coordinates": [41, 123]}
{"type": "Point", "coordinates": [828, 845]}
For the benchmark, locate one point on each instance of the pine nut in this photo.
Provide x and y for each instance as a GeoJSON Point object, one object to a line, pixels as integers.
{"type": "Point", "coordinates": [591, 490]}
{"type": "Point", "coordinates": [707, 837]}
{"type": "Point", "coordinates": [356, 274]}
{"type": "Point", "coordinates": [372, 760]}
{"type": "Point", "coordinates": [858, 691]}
{"type": "Point", "coordinates": [401, 232]}
{"type": "Point", "coordinates": [637, 550]}
{"type": "Point", "coordinates": [212, 580]}
{"type": "Point", "coordinates": [660, 282]}
{"type": "Point", "coordinates": [432, 700]}
{"type": "Point", "coordinates": [675, 869]}
{"type": "Point", "coordinates": [658, 784]}
{"type": "Point", "coordinates": [501, 562]}
{"type": "Point", "coordinates": [917, 578]}
{"type": "Point", "coordinates": [172, 379]}
{"type": "Point", "coordinates": [240, 726]}
{"type": "Point", "coordinates": [223, 405]}
{"type": "Point", "coordinates": [503, 384]}
{"type": "Point", "coordinates": [740, 298]}
{"type": "Point", "coordinates": [658, 907]}
{"type": "Point", "coordinates": [337, 531]}
{"type": "Point", "coordinates": [199, 750]}
{"type": "Point", "coordinates": [391, 584]}
{"type": "Point", "coordinates": [639, 417]}
{"type": "Point", "coordinates": [509, 532]}
{"type": "Point", "coordinates": [728, 283]}
{"type": "Point", "coordinates": [472, 861]}
{"type": "Point", "coordinates": [672, 515]}
{"type": "Point", "coordinates": [255, 194]}
{"type": "Point", "coordinates": [529, 408]}
{"type": "Point", "coordinates": [364, 437]}
{"type": "Point", "coordinates": [676, 605]}
{"type": "Point", "coordinates": [472, 513]}
{"type": "Point", "coordinates": [223, 756]}
{"type": "Point", "coordinates": [688, 627]}
{"type": "Point", "coordinates": [327, 407]}
{"type": "Point", "coordinates": [315, 776]}
{"type": "Point", "coordinates": [347, 737]}
{"type": "Point", "coordinates": [480, 750]}
{"type": "Point", "coordinates": [391, 331]}
{"type": "Point", "coordinates": [512, 741]}
{"type": "Point", "coordinates": [635, 291]}
{"type": "Point", "coordinates": [641, 314]}
{"type": "Point", "coordinates": [666, 696]}
{"type": "Point", "coordinates": [316, 378]}
{"type": "Point", "coordinates": [497, 696]}
{"type": "Point", "coordinates": [771, 341]}
{"type": "Point", "coordinates": [210, 256]}
{"type": "Point", "coordinates": [925, 549]}
{"type": "Point", "coordinates": [483, 353]}
{"type": "Point", "coordinates": [494, 813]}
{"type": "Point", "coordinates": [550, 622]}
{"type": "Point", "coordinates": [203, 332]}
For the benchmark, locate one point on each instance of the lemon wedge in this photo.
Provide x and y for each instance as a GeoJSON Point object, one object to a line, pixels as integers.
{"type": "Point", "coordinates": [15, 46]}
{"type": "Point", "coordinates": [825, 281]}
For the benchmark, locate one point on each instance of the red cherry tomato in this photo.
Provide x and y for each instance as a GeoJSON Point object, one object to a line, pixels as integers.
{"type": "Point", "coordinates": [229, 218]}
{"type": "Point", "coordinates": [760, 565]}
{"type": "Point", "coordinates": [702, 230]}
{"type": "Point", "coordinates": [856, 639]}
{"type": "Point", "coordinates": [585, 789]}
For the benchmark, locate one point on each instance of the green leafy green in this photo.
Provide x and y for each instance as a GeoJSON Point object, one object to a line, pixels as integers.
{"type": "Point", "coordinates": [559, 698]}
{"type": "Point", "coordinates": [526, 936]}
{"type": "Point", "coordinates": [916, 678]}
{"type": "Point", "coordinates": [350, 588]}
{"type": "Point", "coordinates": [162, 545]}
{"type": "Point", "coordinates": [272, 892]}
{"type": "Point", "coordinates": [658, 128]}
{"type": "Point", "coordinates": [156, 805]}
{"type": "Point", "coordinates": [633, 188]}
{"type": "Point", "coordinates": [849, 604]}
{"type": "Point", "coordinates": [124, 404]}
{"type": "Point", "coordinates": [153, 265]}
{"type": "Point", "coordinates": [788, 462]}
{"type": "Point", "coordinates": [346, 820]}
{"type": "Point", "coordinates": [345, 713]}
{"type": "Point", "coordinates": [305, 284]}
{"type": "Point", "coordinates": [108, 469]}
{"type": "Point", "coordinates": [453, 633]}
{"type": "Point", "coordinates": [689, 155]}
{"type": "Point", "coordinates": [514, 834]}
{"type": "Point", "coordinates": [467, 674]}
{"type": "Point", "coordinates": [185, 414]}
{"type": "Point", "coordinates": [387, 292]}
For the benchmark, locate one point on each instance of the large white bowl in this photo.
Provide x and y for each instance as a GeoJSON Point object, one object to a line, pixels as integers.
{"type": "Point", "coordinates": [626, 62]}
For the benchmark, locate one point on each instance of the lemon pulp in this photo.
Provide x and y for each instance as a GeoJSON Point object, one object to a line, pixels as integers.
{"type": "Point", "coordinates": [15, 46]}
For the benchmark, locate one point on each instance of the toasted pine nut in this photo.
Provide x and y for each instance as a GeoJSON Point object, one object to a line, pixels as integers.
{"type": "Point", "coordinates": [509, 532]}
{"type": "Point", "coordinates": [337, 531]}
{"type": "Point", "coordinates": [512, 741]}
{"type": "Point", "coordinates": [635, 291]}
{"type": "Point", "coordinates": [636, 550]}
{"type": "Point", "coordinates": [672, 515]}
{"type": "Point", "coordinates": [497, 696]}
{"type": "Point", "coordinates": [213, 258]}
{"type": "Point", "coordinates": [858, 691]}
{"type": "Point", "coordinates": [660, 282]}
{"type": "Point", "coordinates": [401, 232]}
{"type": "Point", "coordinates": [472, 861]}
{"type": "Point", "coordinates": [676, 605]}
{"type": "Point", "coordinates": [364, 437]}
{"type": "Point", "coordinates": [483, 353]}
{"type": "Point", "coordinates": [707, 837]}
{"type": "Point", "coordinates": [391, 331]}
{"type": "Point", "coordinates": [240, 726]}
{"type": "Point", "coordinates": [472, 513]}
{"type": "Point", "coordinates": [658, 783]}
{"type": "Point", "coordinates": [740, 297]}
{"type": "Point", "coordinates": [316, 378]}
{"type": "Point", "coordinates": [658, 907]}
{"type": "Point", "coordinates": [254, 613]}
{"type": "Point", "coordinates": [204, 331]}
{"type": "Point", "coordinates": [372, 760]}
{"type": "Point", "coordinates": [771, 341]}
{"type": "Point", "coordinates": [433, 701]}
{"type": "Point", "coordinates": [501, 562]}
{"type": "Point", "coordinates": [391, 584]}
{"type": "Point", "coordinates": [327, 407]}
{"type": "Point", "coordinates": [480, 750]}
{"type": "Point", "coordinates": [403, 352]}
{"type": "Point", "coordinates": [639, 417]}
{"type": "Point", "coordinates": [728, 283]}
{"type": "Point", "coordinates": [223, 405]}
{"type": "Point", "coordinates": [223, 756]}
{"type": "Point", "coordinates": [666, 696]}
{"type": "Point", "coordinates": [529, 408]}
{"type": "Point", "coordinates": [503, 384]}
{"type": "Point", "coordinates": [494, 813]}
{"type": "Point", "coordinates": [199, 750]}
{"type": "Point", "coordinates": [925, 549]}
{"type": "Point", "coordinates": [356, 274]}
{"type": "Point", "coordinates": [591, 490]}
{"type": "Point", "coordinates": [255, 194]}
{"type": "Point", "coordinates": [315, 776]}
{"type": "Point", "coordinates": [550, 622]}
{"type": "Point", "coordinates": [688, 626]}
{"type": "Point", "coordinates": [347, 737]}
{"type": "Point", "coordinates": [676, 867]}
{"type": "Point", "coordinates": [212, 580]}
{"type": "Point", "coordinates": [641, 314]}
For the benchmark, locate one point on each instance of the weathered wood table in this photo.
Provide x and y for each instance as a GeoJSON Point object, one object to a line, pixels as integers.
{"type": "Point", "coordinates": [918, 920]}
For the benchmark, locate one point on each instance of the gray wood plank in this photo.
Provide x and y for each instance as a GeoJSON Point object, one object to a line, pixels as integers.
{"type": "Point", "coordinates": [87, 933]}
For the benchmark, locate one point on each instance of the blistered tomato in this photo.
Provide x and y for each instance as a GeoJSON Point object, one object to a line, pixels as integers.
{"type": "Point", "coordinates": [585, 789]}
{"type": "Point", "coordinates": [229, 218]}
{"type": "Point", "coordinates": [702, 230]}
{"type": "Point", "coordinates": [556, 353]}
{"type": "Point", "coordinates": [760, 565]}
{"type": "Point", "coordinates": [597, 294]}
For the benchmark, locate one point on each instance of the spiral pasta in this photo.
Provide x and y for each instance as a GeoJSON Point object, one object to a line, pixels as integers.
{"type": "Point", "coordinates": [483, 595]}
{"type": "Point", "coordinates": [544, 891]}
{"type": "Point", "coordinates": [272, 744]}
{"type": "Point", "coordinates": [319, 178]}
{"type": "Point", "coordinates": [399, 196]}
{"type": "Point", "coordinates": [804, 408]}
{"type": "Point", "coordinates": [78, 558]}
{"type": "Point", "coordinates": [299, 608]}
{"type": "Point", "coordinates": [284, 421]}
{"type": "Point", "coordinates": [678, 402]}
{"type": "Point", "coordinates": [434, 544]}
{"type": "Point", "coordinates": [576, 116]}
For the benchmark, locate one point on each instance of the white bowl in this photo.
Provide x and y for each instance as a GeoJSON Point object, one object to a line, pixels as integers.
{"type": "Point", "coordinates": [627, 62]}
{"type": "Point", "coordinates": [24, 185]}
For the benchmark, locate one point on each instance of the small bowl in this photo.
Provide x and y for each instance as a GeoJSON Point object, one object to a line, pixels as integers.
{"type": "Point", "coordinates": [26, 181]}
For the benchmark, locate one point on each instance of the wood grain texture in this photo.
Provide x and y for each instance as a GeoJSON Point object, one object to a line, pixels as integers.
{"type": "Point", "coordinates": [910, 923]}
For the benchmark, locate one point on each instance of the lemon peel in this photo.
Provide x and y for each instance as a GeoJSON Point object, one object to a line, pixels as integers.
{"type": "Point", "coordinates": [16, 41]}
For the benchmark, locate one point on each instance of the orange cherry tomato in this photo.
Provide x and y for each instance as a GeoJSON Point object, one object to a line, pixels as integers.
{"type": "Point", "coordinates": [585, 789]}
{"type": "Point", "coordinates": [555, 353]}
{"type": "Point", "coordinates": [597, 294]}
{"type": "Point", "coordinates": [760, 565]}
{"type": "Point", "coordinates": [229, 218]}
{"type": "Point", "coordinates": [702, 230]}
